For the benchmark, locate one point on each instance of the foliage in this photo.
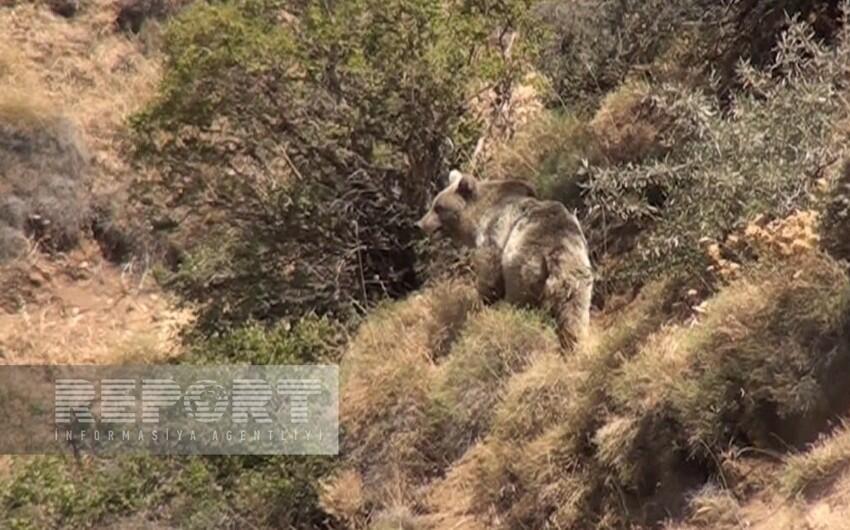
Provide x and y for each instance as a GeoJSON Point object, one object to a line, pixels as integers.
{"type": "Point", "coordinates": [299, 153]}
{"type": "Point", "coordinates": [310, 340]}
{"type": "Point", "coordinates": [593, 46]}
{"type": "Point", "coordinates": [728, 168]}
{"type": "Point", "coordinates": [836, 221]}
{"type": "Point", "coordinates": [184, 492]}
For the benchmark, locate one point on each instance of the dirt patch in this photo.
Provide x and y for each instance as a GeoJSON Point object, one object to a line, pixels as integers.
{"type": "Point", "coordinates": [79, 308]}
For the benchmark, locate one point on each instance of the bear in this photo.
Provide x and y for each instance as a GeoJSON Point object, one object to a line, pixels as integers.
{"type": "Point", "coordinates": [527, 251]}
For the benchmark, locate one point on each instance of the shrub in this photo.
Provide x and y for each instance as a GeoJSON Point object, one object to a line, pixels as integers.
{"type": "Point", "coordinates": [310, 340]}
{"type": "Point", "coordinates": [44, 174]}
{"type": "Point", "coordinates": [185, 492]}
{"type": "Point", "coordinates": [592, 47]}
{"type": "Point", "coordinates": [735, 167]}
{"type": "Point", "coordinates": [835, 224]}
{"type": "Point", "coordinates": [628, 126]}
{"type": "Point", "coordinates": [309, 148]}
{"type": "Point", "coordinates": [64, 8]}
{"type": "Point", "coordinates": [14, 212]}
{"type": "Point", "coordinates": [189, 492]}
{"type": "Point", "coordinates": [13, 243]}
{"type": "Point", "coordinates": [133, 13]}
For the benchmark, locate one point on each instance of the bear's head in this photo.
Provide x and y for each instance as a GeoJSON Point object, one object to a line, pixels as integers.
{"type": "Point", "coordinates": [449, 213]}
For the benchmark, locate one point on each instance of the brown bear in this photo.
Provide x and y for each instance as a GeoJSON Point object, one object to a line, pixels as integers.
{"type": "Point", "coordinates": [527, 251]}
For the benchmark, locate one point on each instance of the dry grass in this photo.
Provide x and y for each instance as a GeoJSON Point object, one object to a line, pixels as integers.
{"type": "Point", "coordinates": [82, 309]}
{"type": "Point", "coordinates": [624, 125]}
{"type": "Point", "coordinates": [824, 461]}
{"type": "Point", "coordinates": [714, 507]}
{"type": "Point", "coordinates": [387, 374]}
{"type": "Point", "coordinates": [77, 307]}
{"type": "Point", "coordinates": [754, 368]}
{"type": "Point", "coordinates": [82, 69]}
{"type": "Point", "coordinates": [534, 148]}
{"type": "Point", "coordinates": [504, 432]}
{"type": "Point", "coordinates": [472, 380]}
{"type": "Point", "coordinates": [342, 497]}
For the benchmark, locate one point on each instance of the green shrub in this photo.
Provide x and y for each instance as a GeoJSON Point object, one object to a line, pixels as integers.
{"type": "Point", "coordinates": [183, 492]}
{"type": "Point", "coordinates": [311, 340]}
{"type": "Point", "coordinates": [593, 46]}
{"type": "Point", "coordinates": [298, 155]}
{"type": "Point", "coordinates": [728, 168]}
{"type": "Point", "coordinates": [836, 221]}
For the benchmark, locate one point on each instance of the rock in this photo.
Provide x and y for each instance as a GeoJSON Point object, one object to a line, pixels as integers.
{"type": "Point", "coordinates": [14, 212]}
{"type": "Point", "coordinates": [64, 8]}
{"type": "Point", "coordinates": [13, 243]}
{"type": "Point", "coordinates": [35, 279]}
{"type": "Point", "coordinates": [133, 13]}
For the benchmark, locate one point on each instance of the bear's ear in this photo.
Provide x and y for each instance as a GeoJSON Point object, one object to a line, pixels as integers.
{"type": "Point", "coordinates": [466, 186]}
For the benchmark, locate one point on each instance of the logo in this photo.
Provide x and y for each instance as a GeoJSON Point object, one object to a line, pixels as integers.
{"type": "Point", "coordinates": [170, 409]}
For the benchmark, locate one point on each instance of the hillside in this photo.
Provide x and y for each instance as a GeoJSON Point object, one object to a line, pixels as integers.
{"type": "Point", "coordinates": [74, 82]}
{"type": "Point", "coordinates": [237, 182]}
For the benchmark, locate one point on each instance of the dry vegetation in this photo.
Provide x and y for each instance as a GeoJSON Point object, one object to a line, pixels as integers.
{"type": "Point", "coordinates": [504, 432]}
{"type": "Point", "coordinates": [67, 87]}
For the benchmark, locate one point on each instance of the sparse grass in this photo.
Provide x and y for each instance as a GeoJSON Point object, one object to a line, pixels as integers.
{"type": "Point", "coordinates": [804, 472]}
{"type": "Point", "coordinates": [81, 309]}
{"type": "Point", "coordinates": [714, 507]}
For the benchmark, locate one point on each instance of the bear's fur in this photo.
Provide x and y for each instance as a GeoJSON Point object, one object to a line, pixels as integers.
{"type": "Point", "coordinates": [527, 251]}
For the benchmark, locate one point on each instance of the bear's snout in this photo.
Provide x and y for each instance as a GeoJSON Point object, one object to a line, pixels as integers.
{"type": "Point", "coordinates": [429, 223]}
